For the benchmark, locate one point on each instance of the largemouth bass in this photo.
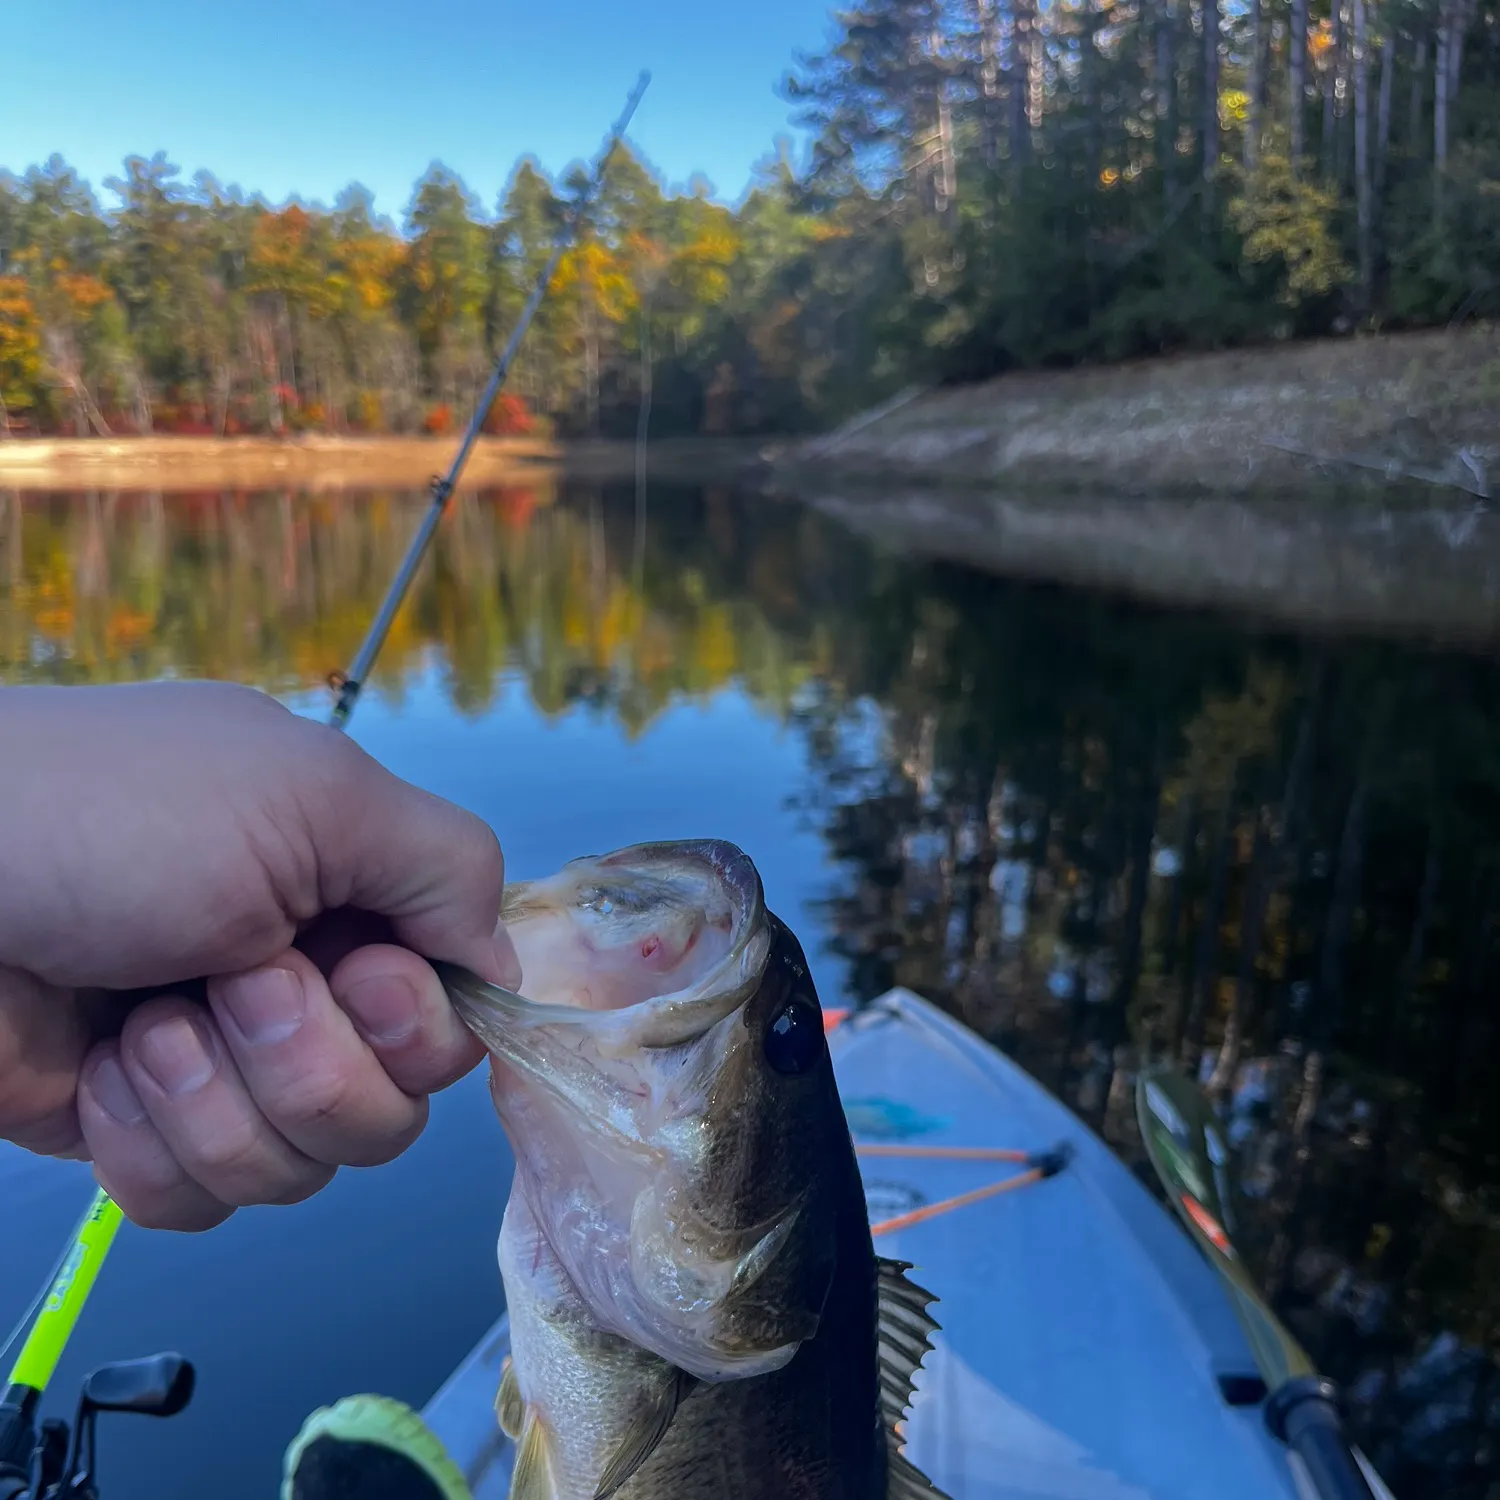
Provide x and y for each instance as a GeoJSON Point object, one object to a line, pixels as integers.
{"type": "Point", "coordinates": [696, 1306]}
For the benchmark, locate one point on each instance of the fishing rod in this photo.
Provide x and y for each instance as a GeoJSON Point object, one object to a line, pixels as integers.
{"type": "Point", "coordinates": [1302, 1408]}
{"type": "Point", "coordinates": [56, 1462]}
{"type": "Point", "coordinates": [350, 684]}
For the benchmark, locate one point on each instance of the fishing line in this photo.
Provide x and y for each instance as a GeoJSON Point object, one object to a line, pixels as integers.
{"type": "Point", "coordinates": [14, 1336]}
{"type": "Point", "coordinates": [16, 1333]}
{"type": "Point", "coordinates": [642, 429]}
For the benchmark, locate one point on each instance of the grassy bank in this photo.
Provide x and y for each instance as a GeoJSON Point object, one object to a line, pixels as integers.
{"type": "Point", "coordinates": [1418, 408]}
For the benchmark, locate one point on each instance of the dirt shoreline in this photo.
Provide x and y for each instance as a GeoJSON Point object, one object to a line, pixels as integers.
{"type": "Point", "coordinates": [1182, 482]}
{"type": "Point", "coordinates": [1407, 409]}
{"type": "Point", "coordinates": [319, 463]}
{"type": "Point", "coordinates": [1344, 486]}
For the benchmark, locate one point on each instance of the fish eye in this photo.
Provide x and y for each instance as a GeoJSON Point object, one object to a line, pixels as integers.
{"type": "Point", "coordinates": [794, 1039]}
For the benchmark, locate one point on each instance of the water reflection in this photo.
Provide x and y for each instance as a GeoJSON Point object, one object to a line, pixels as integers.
{"type": "Point", "coordinates": [1099, 833]}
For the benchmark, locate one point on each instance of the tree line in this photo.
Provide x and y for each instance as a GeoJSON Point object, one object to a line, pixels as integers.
{"type": "Point", "coordinates": [1100, 179]}
{"type": "Point", "coordinates": [988, 184]}
{"type": "Point", "coordinates": [194, 308]}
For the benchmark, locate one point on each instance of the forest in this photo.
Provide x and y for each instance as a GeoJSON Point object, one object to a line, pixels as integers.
{"type": "Point", "coordinates": [983, 185]}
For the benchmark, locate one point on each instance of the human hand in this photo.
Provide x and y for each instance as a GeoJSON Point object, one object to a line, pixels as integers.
{"type": "Point", "coordinates": [155, 835]}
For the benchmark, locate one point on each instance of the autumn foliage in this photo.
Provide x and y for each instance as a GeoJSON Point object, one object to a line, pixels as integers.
{"type": "Point", "coordinates": [187, 310]}
{"type": "Point", "coordinates": [509, 417]}
{"type": "Point", "coordinates": [989, 185]}
{"type": "Point", "coordinates": [20, 346]}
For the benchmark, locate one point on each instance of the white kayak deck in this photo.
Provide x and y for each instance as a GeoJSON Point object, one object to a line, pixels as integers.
{"type": "Point", "coordinates": [1083, 1336]}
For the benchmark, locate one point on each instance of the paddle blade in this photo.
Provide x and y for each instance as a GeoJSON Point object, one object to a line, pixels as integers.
{"type": "Point", "coordinates": [1191, 1157]}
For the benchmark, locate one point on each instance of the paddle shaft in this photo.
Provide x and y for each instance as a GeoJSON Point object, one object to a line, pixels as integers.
{"type": "Point", "coordinates": [1304, 1414]}
{"type": "Point", "coordinates": [1188, 1153]}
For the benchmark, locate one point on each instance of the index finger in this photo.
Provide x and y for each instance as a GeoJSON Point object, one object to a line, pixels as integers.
{"type": "Point", "coordinates": [433, 869]}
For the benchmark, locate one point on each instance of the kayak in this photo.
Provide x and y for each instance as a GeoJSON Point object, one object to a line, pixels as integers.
{"type": "Point", "coordinates": [1087, 1350]}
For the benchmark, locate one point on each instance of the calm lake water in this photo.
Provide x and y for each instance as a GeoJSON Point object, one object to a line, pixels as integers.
{"type": "Point", "coordinates": [1097, 832]}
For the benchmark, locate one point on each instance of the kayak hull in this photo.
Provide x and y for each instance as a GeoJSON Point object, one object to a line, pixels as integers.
{"type": "Point", "coordinates": [1087, 1350]}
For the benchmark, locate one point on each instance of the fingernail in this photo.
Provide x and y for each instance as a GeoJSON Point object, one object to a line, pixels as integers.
{"type": "Point", "coordinates": [114, 1093]}
{"type": "Point", "coordinates": [266, 1005]}
{"type": "Point", "coordinates": [180, 1054]}
{"type": "Point", "coordinates": [507, 960]}
{"type": "Point", "coordinates": [384, 1008]}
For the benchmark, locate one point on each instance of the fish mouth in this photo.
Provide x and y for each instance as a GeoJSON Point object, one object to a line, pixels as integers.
{"type": "Point", "coordinates": [708, 887]}
{"type": "Point", "coordinates": [605, 1075]}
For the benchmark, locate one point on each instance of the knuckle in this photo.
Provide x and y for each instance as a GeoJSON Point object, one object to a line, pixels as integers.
{"type": "Point", "coordinates": [148, 1213]}
{"type": "Point", "coordinates": [300, 1186]}
{"type": "Point", "coordinates": [37, 1109]}
{"type": "Point", "coordinates": [238, 695]}
{"type": "Point", "coordinates": [41, 1046]}
{"type": "Point", "coordinates": [55, 1133]}
{"type": "Point", "coordinates": [333, 759]}
{"type": "Point", "coordinates": [284, 850]}
{"type": "Point", "coordinates": [427, 1064]}
{"type": "Point", "coordinates": [165, 1198]}
{"type": "Point", "coordinates": [456, 1062]}
{"type": "Point", "coordinates": [232, 1154]}
{"type": "Point", "coordinates": [378, 1150]}
{"type": "Point", "coordinates": [319, 1098]}
{"type": "Point", "coordinates": [169, 1211]}
{"type": "Point", "coordinates": [331, 1115]}
{"type": "Point", "coordinates": [141, 1206]}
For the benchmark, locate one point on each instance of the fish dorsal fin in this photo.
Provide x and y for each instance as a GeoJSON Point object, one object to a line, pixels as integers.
{"type": "Point", "coordinates": [904, 1481]}
{"type": "Point", "coordinates": [508, 1404]}
{"type": "Point", "coordinates": [531, 1478]}
{"type": "Point", "coordinates": [647, 1428]}
{"type": "Point", "coordinates": [904, 1337]}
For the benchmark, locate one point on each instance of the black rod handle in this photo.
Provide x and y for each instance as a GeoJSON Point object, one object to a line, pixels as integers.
{"type": "Point", "coordinates": [1304, 1414]}
{"type": "Point", "coordinates": [18, 1404]}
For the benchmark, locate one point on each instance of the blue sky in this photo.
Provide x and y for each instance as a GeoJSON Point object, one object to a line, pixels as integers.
{"type": "Point", "coordinates": [283, 97]}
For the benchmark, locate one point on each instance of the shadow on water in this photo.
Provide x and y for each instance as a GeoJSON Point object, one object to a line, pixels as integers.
{"type": "Point", "coordinates": [1100, 833]}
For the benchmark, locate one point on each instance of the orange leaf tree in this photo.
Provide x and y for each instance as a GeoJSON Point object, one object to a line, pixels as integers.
{"type": "Point", "coordinates": [20, 345]}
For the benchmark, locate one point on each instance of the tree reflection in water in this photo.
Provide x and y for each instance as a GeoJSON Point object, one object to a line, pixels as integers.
{"type": "Point", "coordinates": [1100, 834]}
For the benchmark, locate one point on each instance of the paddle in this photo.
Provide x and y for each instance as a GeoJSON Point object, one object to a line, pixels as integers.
{"type": "Point", "coordinates": [1187, 1148]}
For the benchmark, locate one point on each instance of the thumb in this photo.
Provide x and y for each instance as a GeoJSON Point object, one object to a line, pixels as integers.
{"type": "Point", "coordinates": [432, 869]}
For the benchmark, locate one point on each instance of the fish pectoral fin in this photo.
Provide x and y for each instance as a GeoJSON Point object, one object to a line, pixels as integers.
{"type": "Point", "coordinates": [508, 1404]}
{"type": "Point", "coordinates": [531, 1478]}
{"type": "Point", "coordinates": [644, 1433]}
{"type": "Point", "coordinates": [904, 1338]}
